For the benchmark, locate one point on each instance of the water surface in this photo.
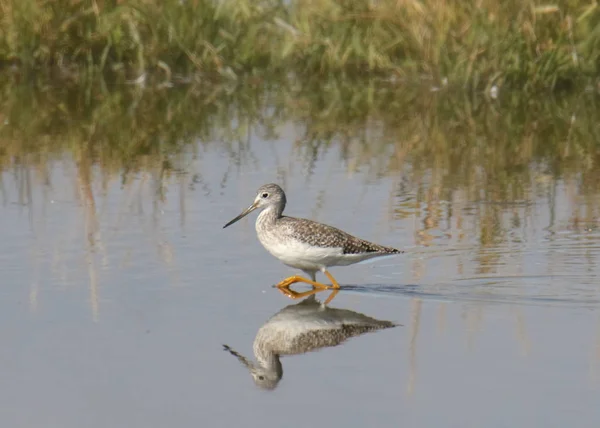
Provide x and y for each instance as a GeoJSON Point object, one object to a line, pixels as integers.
{"type": "Point", "coordinates": [120, 286]}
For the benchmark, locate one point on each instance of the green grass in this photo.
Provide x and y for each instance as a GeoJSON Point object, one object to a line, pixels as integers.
{"type": "Point", "coordinates": [466, 43]}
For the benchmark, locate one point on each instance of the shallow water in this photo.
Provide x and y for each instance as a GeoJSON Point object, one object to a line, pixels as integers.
{"type": "Point", "coordinates": [119, 293]}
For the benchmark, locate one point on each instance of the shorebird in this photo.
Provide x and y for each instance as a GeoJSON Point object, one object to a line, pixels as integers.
{"type": "Point", "coordinates": [303, 327]}
{"type": "Point", "coordinates": [305, 244]}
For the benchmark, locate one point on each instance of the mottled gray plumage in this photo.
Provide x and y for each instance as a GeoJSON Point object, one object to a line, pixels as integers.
{"type": "Point", "coordinates": [301, 328]}
{"type": "Point", "coordinates": [322, 235]}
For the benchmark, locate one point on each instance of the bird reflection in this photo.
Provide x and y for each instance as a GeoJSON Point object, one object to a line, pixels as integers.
{"type": "Point", "coordinates": [299, 328]}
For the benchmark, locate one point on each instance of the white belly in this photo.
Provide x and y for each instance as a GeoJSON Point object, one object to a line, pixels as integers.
{"type": "Point", "coordinates": [300, 255]}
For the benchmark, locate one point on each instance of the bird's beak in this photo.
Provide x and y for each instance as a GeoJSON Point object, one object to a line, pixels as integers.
{"type": "Point", "coordinates": [245, 361]}
{"type": "Point", "coordinates": [243, 214]}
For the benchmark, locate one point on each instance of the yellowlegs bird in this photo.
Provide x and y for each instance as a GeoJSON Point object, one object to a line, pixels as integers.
{"type": "Point", "coordinates": [306, 244]}
{"type": "Point", "coordinates": [300, 328]}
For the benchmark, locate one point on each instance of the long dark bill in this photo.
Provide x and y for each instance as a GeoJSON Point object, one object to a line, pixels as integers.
{"type": "Point", "coordinates": [242, 215]}
{"type": "Point", "coordinates": [245, 361]}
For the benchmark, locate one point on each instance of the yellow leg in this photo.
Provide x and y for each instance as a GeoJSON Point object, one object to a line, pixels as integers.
{"type": "Point", "coordinates": [297, 278]}
{"type": "Point", "coordinates": [332, 279]}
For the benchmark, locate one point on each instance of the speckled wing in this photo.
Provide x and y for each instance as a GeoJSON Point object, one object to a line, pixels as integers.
{"type": "Point", "coordinates": [322, 235]}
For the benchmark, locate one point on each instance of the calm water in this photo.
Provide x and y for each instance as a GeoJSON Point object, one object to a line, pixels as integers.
{"type": "Point", "coordinates": [120, 286]}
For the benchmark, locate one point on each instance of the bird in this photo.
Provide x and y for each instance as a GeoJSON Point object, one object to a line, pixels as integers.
{"type": "Point", "coordinates": [300, 328]}
{"type": "Point", "coordinates": [305, 244]}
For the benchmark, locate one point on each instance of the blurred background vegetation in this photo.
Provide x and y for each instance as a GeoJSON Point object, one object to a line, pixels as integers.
{"type": "Point", "coordinates": [467, 43]}
{"type": "Point", "coordinates": [455, 87]}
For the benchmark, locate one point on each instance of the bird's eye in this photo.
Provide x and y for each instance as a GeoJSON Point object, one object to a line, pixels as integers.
{"type": "Point", "coordinates": [261, 378]}
{"type": "Point", "coordinates": [264, 195]}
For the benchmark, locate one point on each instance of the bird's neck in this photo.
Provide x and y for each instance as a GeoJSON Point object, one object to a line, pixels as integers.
{"type": "Point", "coordinates": [268, 360]}
{"type": "Point", "coordinates": [269, 216]}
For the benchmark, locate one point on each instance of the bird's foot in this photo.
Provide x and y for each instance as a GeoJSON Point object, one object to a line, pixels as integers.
{"type": "Point", "coordinates": [297, 278]}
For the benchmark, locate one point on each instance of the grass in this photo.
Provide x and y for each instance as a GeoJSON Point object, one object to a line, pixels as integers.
{"type": "Point", "coordinates": [463, 43]}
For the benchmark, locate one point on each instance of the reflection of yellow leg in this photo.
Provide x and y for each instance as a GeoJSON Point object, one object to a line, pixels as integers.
{"type": "Point", "coordinates": [297, 278]}
{"type": "Point", "coordinates": [332, 279]}
{"type": "Point", "coordinates": [331, 296]}
{"type": "Point", "coordinates": [295, 295]}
